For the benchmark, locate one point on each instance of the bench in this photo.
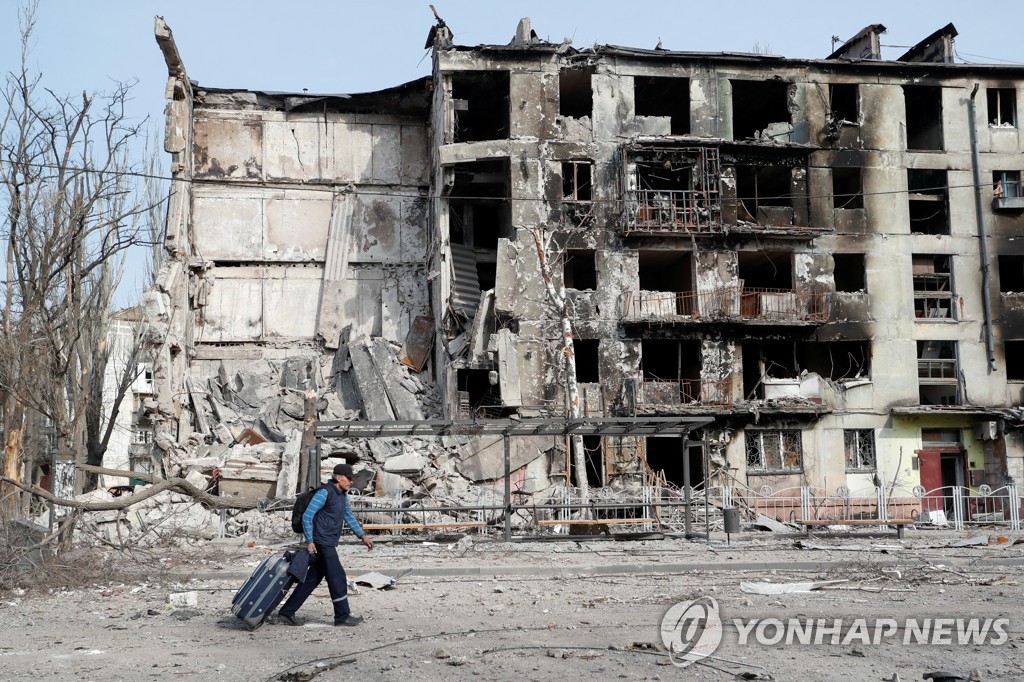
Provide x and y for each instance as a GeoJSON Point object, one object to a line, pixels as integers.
{"type": "Point", "coordinates": [899, 523]}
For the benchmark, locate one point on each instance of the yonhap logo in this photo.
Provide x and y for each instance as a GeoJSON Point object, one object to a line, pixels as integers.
{"type": "Point", "coordinates": [691, 631]}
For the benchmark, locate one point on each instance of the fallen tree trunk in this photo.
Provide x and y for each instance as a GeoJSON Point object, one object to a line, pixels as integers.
{"type": "Point", "coordinates": [157, 486]}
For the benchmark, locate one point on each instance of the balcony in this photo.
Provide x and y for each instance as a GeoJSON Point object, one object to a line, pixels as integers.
{"type": "Point", "coordinates": [685, 392]}
{"type": "Point", "coordinates": [734, 304]}
{"type": "Point", "coordinates": [678, 211]}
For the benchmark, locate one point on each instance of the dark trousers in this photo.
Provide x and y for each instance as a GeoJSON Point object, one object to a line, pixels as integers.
{"type": "Point", "coordinates": [326, 564]}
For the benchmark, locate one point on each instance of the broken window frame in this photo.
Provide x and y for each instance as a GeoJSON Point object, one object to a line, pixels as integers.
{"type": "Point", "coordinates": [845, 90]}
{"type": "Point", "coordinates": [1006, 185]}
{"type": "Point", "coordinates": [745, 126]}
{"type": "Point", "coordinates": [846, 259]}
{"type": "Point", "coordinates": [915, 106]}
{"type": "Point", "coordinates": [767, 451]}
{"type": "Point", "coordinates": [1004, 112]}
{"type": "Point", "coordinates": [572, 270]}
{"type": "Point", "coordinates": [859, 446]}
{"type": "Point", "coordinates": [667, 105]}
{"type": "Point", "coordinates": [578, 192]}
{"type": "Point", "coordinates": [933, 287]}
{"type": "Point", "coordinates": [940, 372]}
{"type": "Point", "coordinates": [570, 102]}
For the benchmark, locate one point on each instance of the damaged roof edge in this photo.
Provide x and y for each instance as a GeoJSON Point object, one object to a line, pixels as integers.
{"type": "Point", "coordinates": [410, 97]}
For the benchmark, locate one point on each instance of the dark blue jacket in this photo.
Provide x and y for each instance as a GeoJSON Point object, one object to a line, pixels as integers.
{"type": "Point", "coordinates": [326, 515]}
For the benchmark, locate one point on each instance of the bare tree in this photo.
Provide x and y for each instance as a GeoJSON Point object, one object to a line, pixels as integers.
{"type": "Point", "coordinates": [559, 303]}
{"type": "Point", "coordinates": [72, 206]}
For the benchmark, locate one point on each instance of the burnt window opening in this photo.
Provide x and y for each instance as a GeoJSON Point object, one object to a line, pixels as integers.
{"type": "Point", "coordinates": [670, 371]}
{"type": "Point", "coordinates": [665, 270]}
{"type": "Point", "coordinates": [666, 455]}
{"type": "Point", "coordinates": [477, 396]}
{"type": "Point", "coordinates": [933, 287]}
{"type": "Point", "coordinates": [481, 103]}
{"type": "Point", "coordinates": [938, 374]}
{"type": "Point", "coordinates": [765, 269]}
{"type": "Point", "coordinates": [1013, 354]}
{"type": "Point", "coordinates": [587, 366]}
{"type": "Point", "coordinates": [847, 188]}
{"type": "Point", "coordinates": [756, 105]}
{"type": "Point", "coordinates": [1006, 185]}
{"type": "Point", "coordinates": [849, 272]}
{"type": "Point", "coordinates": [765, 195]}
{"type": "Point", "coordinates": [664, 96]}
{"type": "Point", "coordinates": [924, 117]}
{"type": "Point", "coordinates": [766, 360]}
{"type": "Point", "coordinates": [575, 93]}
{"type": "Point", "coordinates": [927, 200]}
{"type": "Point", "coordinates": [1002, 107]}
{"type": "Point", "coordinates": [580, 269]}
{"type": "Point", "coordinates": [859, 445]}
{"type": "Point", "coordinates": [593, 450]}
{"type": "Point", "coordinates": [836, 360]}
{"type": "Point", "coordinates": [478, 207]}
{"type": "Point", "coordinates": [1011, 274]}
{"type": "Point", "coordinates": [774, 451]}
{"type": "Point", "coordinates": [844, 99]}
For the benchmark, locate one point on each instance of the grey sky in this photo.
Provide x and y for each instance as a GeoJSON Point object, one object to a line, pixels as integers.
{"type": "Point", "coordinates": [340, 46]}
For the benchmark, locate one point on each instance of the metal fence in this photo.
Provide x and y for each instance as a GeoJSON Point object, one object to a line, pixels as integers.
{"type": "Point", "coordinates": [665, 508]}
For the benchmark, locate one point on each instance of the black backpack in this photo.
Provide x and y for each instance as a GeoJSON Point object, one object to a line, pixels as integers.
{"type": "Point", "coordinates": [301, 503]}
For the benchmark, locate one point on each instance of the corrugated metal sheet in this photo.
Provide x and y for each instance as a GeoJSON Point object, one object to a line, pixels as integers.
{"type": "Point", "coordinates": [465, 282]}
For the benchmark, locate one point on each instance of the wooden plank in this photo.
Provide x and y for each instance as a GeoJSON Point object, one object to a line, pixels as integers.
{"type": "Point", "coordinates": [422, 526]}
{"type": "Point", "coordinates": [857, 522]}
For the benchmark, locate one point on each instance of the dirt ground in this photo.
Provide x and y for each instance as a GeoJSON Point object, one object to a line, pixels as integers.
{"type": "Point", "coordinates": [483, 610]}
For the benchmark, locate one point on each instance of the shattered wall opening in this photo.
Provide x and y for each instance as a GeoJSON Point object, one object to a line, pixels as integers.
{"type": "Point", "coordinates": [664, 97]}
{"type": "Point", "coordinates": [588, 369]}
{"type": "Point", "coordinates": [764, 360]}
{"type": "Point", "coordinates": [765, 269]}
{"type": "Point", "coordinates": [847, 188]}
{"type": "Point", "coordinates": [665, 458]}
{"type": "Point", "coordinates": [481, 101]}
{"type": "Point", "coordinates": [580, 271]}
{"type": "Point", "coordinates": [765, 194]}
{"type": "Point", "coordinates": [666, 270]}
{"type": "Point", "coordinates": [836, 360]}
{"type": "Point", "coordinates": [1011, 274]}
{"type": "Point", "coordinates": [938, 374]}
{"type": "Point", "coordinates": [849, 272]}
{"type": "Point", "coordinates": [1002, 107]}
{"type": "Point", "coordinates": [924, 117]}
{"type": "Point", "coordinates": [1013, 354]}
{"type": "Point", "coordinates": [593, 447]}
{"type": "Point", "coordinates": [670, 371]}
{"type": "Point", "coordinates": [756, 105]}
{"type": "Point", "coordinates": [673, 188]}
{"type": "Point", "coordinates": [575, 93]}
{"type": "Point", "coordinates": [928, 201]}
{"type": "Point", "coordinates": [478, 397]}
{"type": "Point", "coordinates": [933, 286]}
{"type": "Point", "coordinates": [479, 213]}
{"type": "Point", "coordinates": [844, 102]}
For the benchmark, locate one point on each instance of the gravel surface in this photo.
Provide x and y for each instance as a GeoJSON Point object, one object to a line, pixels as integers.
{"type": "Point", "coordinates": [484, 610]}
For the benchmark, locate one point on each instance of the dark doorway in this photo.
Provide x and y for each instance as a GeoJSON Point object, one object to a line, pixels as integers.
{"type": "Point", "coordinates": [667, 454]}
{"type": "Point", "coordinates": [593, 447]}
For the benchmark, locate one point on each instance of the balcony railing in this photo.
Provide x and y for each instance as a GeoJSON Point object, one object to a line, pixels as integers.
{"type": "Point", "coordinates": [730, 303]}
{"type": "Point", "coordinates": [937, 371]}
{"type": "Point", "coordinates": [686, 392]}
{"type": "Point", "coordinates": [675, 211]}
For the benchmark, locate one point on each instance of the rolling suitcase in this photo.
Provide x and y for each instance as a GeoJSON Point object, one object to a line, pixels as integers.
{"type": "Point", "coordinates": [263, 591]}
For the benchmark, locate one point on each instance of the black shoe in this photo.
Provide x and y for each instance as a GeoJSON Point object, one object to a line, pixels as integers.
{"type": "Point", "coordinates": [350, 621]}
{"type": "Point", "coordinates": [287, 620]}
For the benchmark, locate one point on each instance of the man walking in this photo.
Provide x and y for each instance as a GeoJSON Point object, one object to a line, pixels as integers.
{"type": "Point", "coordinates": [321, 524]}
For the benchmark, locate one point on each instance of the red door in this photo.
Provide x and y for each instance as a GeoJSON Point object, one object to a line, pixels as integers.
{"type": "Point", "coordinates": [931, 479]}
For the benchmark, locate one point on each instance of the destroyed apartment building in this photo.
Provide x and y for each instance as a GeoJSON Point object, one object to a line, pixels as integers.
{"type": "Point", "coordinates": [819, 257]}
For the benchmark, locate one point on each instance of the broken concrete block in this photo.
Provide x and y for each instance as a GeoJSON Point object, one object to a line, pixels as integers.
{"type": "Point", "coordinates": [410, 463]}
{"type": "Point", "coordinates": [177, 600]}
{"type": "Point", "coordinates": [197, 479]}
{"type": "Point", "coordinates": [370, 386]}
{"type": "Point", "coordinates": [390, 485]}
{"type": "Point", "coordinates": [487, 461]}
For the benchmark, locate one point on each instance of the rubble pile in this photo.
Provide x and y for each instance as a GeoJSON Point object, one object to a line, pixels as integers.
{"type": "Point", "coordinates": [249, 418]}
